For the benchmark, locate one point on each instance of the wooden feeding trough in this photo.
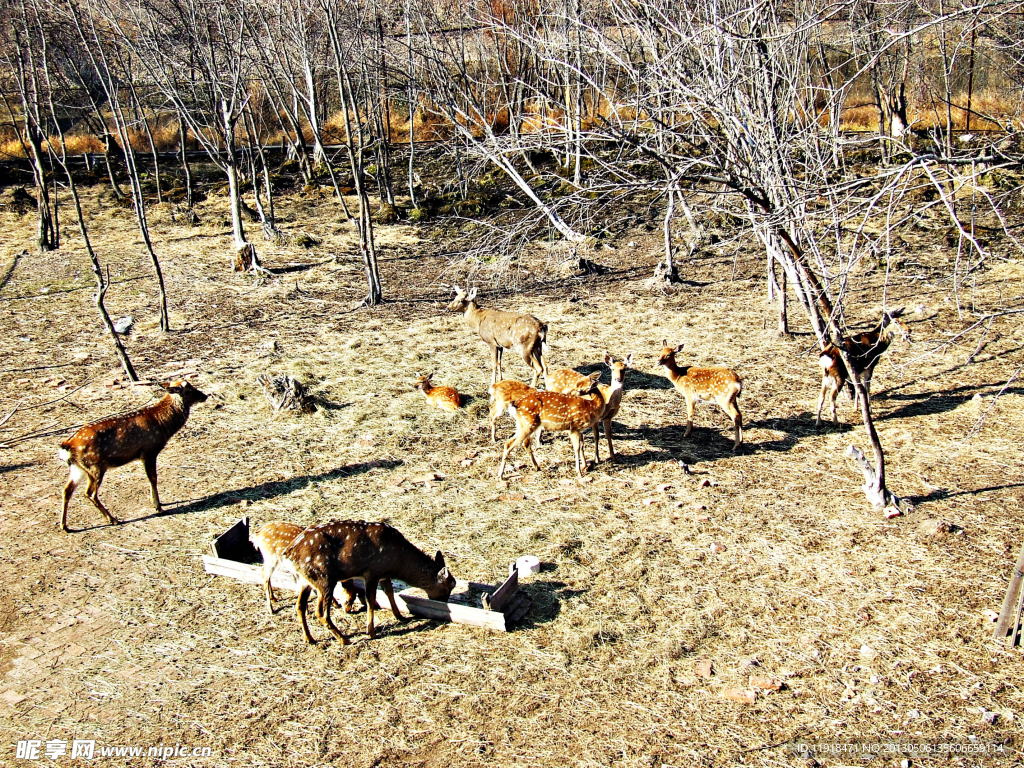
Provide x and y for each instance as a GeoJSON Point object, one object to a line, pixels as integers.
{"type": "Point", "coordinates": [480, 605]}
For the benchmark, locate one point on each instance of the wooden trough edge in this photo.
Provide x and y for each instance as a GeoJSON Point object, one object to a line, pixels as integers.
{"type": "Point", "coordinates": [516, 604]}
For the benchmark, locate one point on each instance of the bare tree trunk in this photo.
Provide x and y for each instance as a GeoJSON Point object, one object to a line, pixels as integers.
{"type": "Point", "coordinates": [183, 146]}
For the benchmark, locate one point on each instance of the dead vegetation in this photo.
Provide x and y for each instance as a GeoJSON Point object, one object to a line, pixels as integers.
{"type": "Point", "coordinates": [693, 607]}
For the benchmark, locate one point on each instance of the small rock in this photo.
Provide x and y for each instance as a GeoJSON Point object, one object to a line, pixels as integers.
{"type": "Point", "coordinates": [702, 518]}
{"type": "Point", "coordinates": [716, 547]}
{"type": "Point", "coordinates": [891, 512]}
{"type": "Point", "coordinates": [514, 496]}
{"type": "Point", "coordinates": [428, 478]}
{"type": "Point", "coordinates": [703, 668]}
{"type": "Point", "coordinates": [397, 480]}
{"type": "Point", "coordinates": [989, 718]}
{"type": "Point", "coordinates": [663, 487]}
{"type": "Point", "coordinates": [741, 695]}
{"type": "Point", "coordinates": [874, 679]}
{"type": "Point", "coordinates": [700, 507]}
{"type": "Point", "coordinates": [766, 683]}
{"type": "Point", "coordinates": [467, 462]}
{"type": "Point", "coordinates": [546, 499]}
{"type": "Point", "coordinates": [649, 502]}
{"type": "Point", "coordinates": [914, 714]}
{"type": "Point", "coordinates": [936, 528]}
{"type": "Point", "coordinates": [867, 653]}
{"type": "Point", "coordinates": [12, 697]}
{"type": "Point", "coordinates": [705, 483]}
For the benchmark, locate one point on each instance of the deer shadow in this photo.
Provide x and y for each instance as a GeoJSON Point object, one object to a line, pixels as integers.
{"type": "Point", "coordinates": [267, 490]}
{"type": "Point", "coordinates": [14, 467]}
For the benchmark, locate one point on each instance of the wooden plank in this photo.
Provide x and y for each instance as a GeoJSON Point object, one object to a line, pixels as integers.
{"type": "Point", "coordinates": [1007, 612]}
{"type": "Point", "coordinates": [411, 604]}
{"type": "Point", "coordinates": [518, 607]}
{"type": "Point", "coordinates": [503, 593]}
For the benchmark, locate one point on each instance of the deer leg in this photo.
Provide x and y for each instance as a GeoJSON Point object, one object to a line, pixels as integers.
{"type": "Point", "coordinates": [268, 570]}
{"type": "Point", "coordinates": [504, 455]}
{"type": "Point", "coordinates": [534, 360]}
{"type": "Point", "coordinates": [389, 590]}
{"type": "Point", "coordinates": [576, 438]}
{"type": "Point", "coordinates": [528, 443]}
{"type": "Point", "coordinates": [821, 400]}
{"type": "Point", "coordinates": [597, 442]}
{"type": "Point", "coordinates": [371, 601]}
{"type": "Point", "coordinates": [149, 462]}
{"type": "Point", "coordinates": [689, 415]}
{"type": "Point", "coordinates": [300, 607]}
{"type": "Point", "coordinates": [833, 396]}
{"type": "Point", "coordinates": [493, 418]}
{"type": "Point", "coordinates": [326, 600]}
{"type": "Point", "coordinates": [77, 475]}
{"type": "Point", "coordinates": [92, 490]}
{"type": "Point", "coordinates": [495, 364]}
{"type": "Point", "coordinates": [733, 409]}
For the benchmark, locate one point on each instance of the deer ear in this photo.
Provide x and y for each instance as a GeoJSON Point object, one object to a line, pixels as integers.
{"type": "Point", "coordinates": [595, 376]}
{"type": "Point", "coordinates": [472, 295]}
{"type": "Point", "coordinates": [607, 359]}
{"type": "Point", "coordinates": [664, 342]}
{"type": "Point", "coordinates": [455, 287]}
{"type": "Point", "coordinates": [629, 360]}
{"type": "Point", "coordinates": [439, 559]}
{"type": "Point", "coordinates": [678, 349]}
{"type": "Point", "coordinates": [442, 576]}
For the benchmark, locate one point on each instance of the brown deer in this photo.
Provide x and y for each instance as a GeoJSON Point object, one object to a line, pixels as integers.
{"type": "Point", "coordinates": [445, 398]}
{"type": "Point", "coordinates": [864, 351]}
{"type": "Point", "coordinates": [556, 412]}
{"type": "Point", "coordinates": [721, 385]}
{"type": "Point", "coordinates": [117, 440]}
{"type": "Point", "coordinates": [375, 552]}
{"type": "Point", "coordinates": [272, 540]}
{"type": "Point", "coordinates": [567, 380]}
{"type": "Point", "coordinates": [502, 393]}
{"type": "Point", "coordinates": [504, 330]}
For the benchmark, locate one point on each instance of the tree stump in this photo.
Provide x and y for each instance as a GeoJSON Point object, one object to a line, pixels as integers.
{"type": "Point", "coordinates": [286, 393]}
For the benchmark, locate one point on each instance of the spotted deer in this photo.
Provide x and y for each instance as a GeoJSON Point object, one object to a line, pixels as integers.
{"type": "Point", "coordinates": [115, 441]}
{"type": "Point", "coordinates": [333, 552]}
{"type": "Point", "coordinates": [720, 385]}
{"type": "Point", "coordinates": [272, 540]}
{"type": "Point", "coordinates": [556, 412]}
{"type": "Point", "coordinates": [502, 393]}
{"type": "Point", "coordinates": [864, 350]}
{"type": "Point", "coordinates": [567, 380]}
{"type": "Point", "coordinates": [502, 330]}
{"type": "Point", "coordinates": [445, 398]}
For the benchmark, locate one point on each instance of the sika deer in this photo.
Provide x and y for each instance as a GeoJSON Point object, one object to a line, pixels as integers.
{"type": "Point", "coordinates": [567, 380]}
{"type": "Point", "coordinates": [864, 351]}
{"type": "Point", "coordinates": [272, 540]}
{"type": "Point", "coordinates": [375, 552]}
{"type": "Point", "coordinates": [117, 440]}
{"type": "Point", "coordinates": [502, 393]}
{"type": "Point", "coordinates": [718, 384]}
{"type": "Point", "coordinates": [556, 412]}
{"type": "Point", "coordinates": [445, 398]}
{"type": "Point", "coordinates": [504, 330]}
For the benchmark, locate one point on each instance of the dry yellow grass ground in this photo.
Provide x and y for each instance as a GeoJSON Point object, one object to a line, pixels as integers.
{"type": "Point", "coordinates": [876, 629]}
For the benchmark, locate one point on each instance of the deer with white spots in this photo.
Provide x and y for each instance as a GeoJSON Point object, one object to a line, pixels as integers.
{"type": "Point", "coordinates": [568, 381]}
{"type": "Point", "coordinates": [864, 351]}
{"type": "Point", "coordinates": [502, 330]}
{"type": "Point", "coordinates": [556, 412]}
{"type": "Point", "coordinates": [333, 552]}
{"type": "Point", "coordinates": [502, 393]}
{"type": "Point", "coordinates": [445, 398]}
{"type": "Point", "coordinates": [115, 441]}
{"type": "Point", "coordinates": [272, 540]}
{"type": "Point", "coordinates": [720, 385]}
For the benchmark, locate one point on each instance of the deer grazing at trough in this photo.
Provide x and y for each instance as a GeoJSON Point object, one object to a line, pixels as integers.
{"type": "Point", "coordinates": [556, 412]}
{"type": "Point", "coordinates": [117, 440]}
{"type": "Point", "coordinates": [375, 552]}
{"type": "Point", "coordinates": [718, 384]}
{"type": "Point", "coordinates": [272, 540]}
{"type": "Point", "coordinates": [504, 330]}
{"type": "Point", "coordinates": [567, 380]}
{"type": "Point", "coordinates": [445, 398]}
{"type": "Point", "coordinates": [864, 351]}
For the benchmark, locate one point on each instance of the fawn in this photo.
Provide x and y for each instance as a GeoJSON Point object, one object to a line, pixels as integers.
{"type": "Point", "coordinates": [445, 398]}
{"type": "Point", "coordinates": [556, 412]}
{"type": "Point", "coordinates": [504, 330]}
{"type": "Point", "coordinates": [272, 540]}
{"type": "Point", "coordinates": [567, 380]}
{"type": "Point", "coordinates": [341, 550]}
{"type": "Point", "coordinates": [864, 351]}
{"type": "Point", "coordinates": [718, 384]}
{"type": "Point", "coordinates": [117, 440]}
{"type": "Point", "coordinates": [502, 393]}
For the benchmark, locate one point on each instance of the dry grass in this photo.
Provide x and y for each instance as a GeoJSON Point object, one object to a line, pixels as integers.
{"type": "Point", "coordinates": [876, 629]}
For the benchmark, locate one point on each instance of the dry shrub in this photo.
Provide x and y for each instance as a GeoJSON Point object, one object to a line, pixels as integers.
{"type": "Point", "coordinates": [166, 137]}
{"type": "Point", "coordinates": [79, 145]}
{"type": "Point", "coordinates": [12, 148]}
{"type": "Point", "coordinates": [863, 117]}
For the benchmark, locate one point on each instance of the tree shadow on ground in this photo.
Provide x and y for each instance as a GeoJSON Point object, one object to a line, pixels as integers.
{"type": "Point", "coordinates": [547, 597]}
{"type": "Point", "coordinates": [939, 401]}
{"type": "Point", "coordinates": [15, 467]}
{"type": "Point", "coordinates": [297, 267]}
{"type": "Point", "coordinates": [267, 490]}
{"type": "Point", "coordinates": [941, 494]}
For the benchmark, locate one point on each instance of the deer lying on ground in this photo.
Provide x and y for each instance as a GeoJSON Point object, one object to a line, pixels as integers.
{"type": "Point", "coordinates": [117, 440]}
{"type": "Point", "coordinates": [504, 330]}
{"type": "Point", "coordinates": [556, 412]}
{"type": "Point", "coordinates": [718, 384]}
{"type": "Point", "coordinates": [445, 398]}
{"type": "Point", "coordinates": [864, 351]}
{"type": "Point", "coordinates": [272, 540]}
{"type": "Point", "coordinates": [337, 551]}
{"type": "Point", "coordinates": [567, 380]}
